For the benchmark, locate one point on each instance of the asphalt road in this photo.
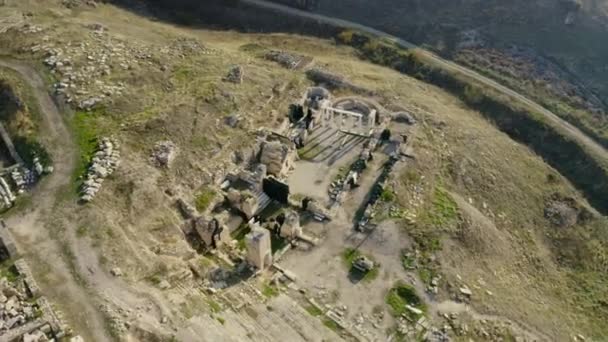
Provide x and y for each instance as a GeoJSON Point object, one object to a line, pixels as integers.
{"type": "Point", "coordinates": [568, 129]}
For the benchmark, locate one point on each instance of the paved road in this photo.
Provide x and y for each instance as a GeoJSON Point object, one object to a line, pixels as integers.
{"type": "Point", "coordinates": [574, 133]}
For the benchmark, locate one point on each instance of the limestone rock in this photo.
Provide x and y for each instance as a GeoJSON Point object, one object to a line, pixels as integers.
{"type": "Point", "coordinates": [164, 153]}
{"type": "Point", "coordinates": [116, 271]}
{"type": "Point", "coordinates": [235, 75]}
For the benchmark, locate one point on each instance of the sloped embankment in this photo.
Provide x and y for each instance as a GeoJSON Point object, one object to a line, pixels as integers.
{"type": "Point", "coordinates": [586, 171]}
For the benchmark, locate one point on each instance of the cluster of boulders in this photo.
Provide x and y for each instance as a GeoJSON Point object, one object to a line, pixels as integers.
{"type": "Point", "coordinates": [433, 287]}
{"type": "Point", "coordinates": [105, 161]}
{"type": "Point", "coordinates": [235, 75]}
{"type": "Point", "coordinates": [332, 80]}
{"type": "Point", "coordinates": [564, 211]}
{"type": "Point", "coordinates": [404, 117]}
{"type": "Point", "coordinates": [116, 319]}
{"type": "Point", "coordinates": [413, 329]}
{"type": "Point", "coordinates": [164, 153]}
{"type": "Point", "coordinates": [15, 307]}
{"type": "Point", "coordinates": [84, 68]}
{"type": "Point", "coordinates": [80, 70]}
{"type": "Point", "coordinates": [30, 29]}
{"type": "Point", "coordinates": [183, 47]}
{"type": "Point", "coordinates": [288, 60]}
{"type": "Point", "coordinates": [22, 177]}
{"type": "Point", "coordinates": [77, 3]}
{"type": "Point", "coordinates": [364, 324]}
{"type": "Point", "coordinates": [484, 329]}
{"type": "Point", "coordinates": [39, 168]}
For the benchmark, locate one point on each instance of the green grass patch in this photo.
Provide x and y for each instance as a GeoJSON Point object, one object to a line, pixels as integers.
{"type": "Point", "coordinates": [88, 127]}
{"type": "Point", "coordinates": [270, 291]}
{"type": "Point", "coordinates": [332, 325]}
{"type": "Point", "coordinates": [313, 310]}
{"type": "Point", "coordinates": [203, 199]}
{"type": "Point", "coordinates": [408, 261]}
{"type": "Point", "coordinates": [387, 195]}
{"type": "Point", "coordinates": [349, 255]}
{"type": "Point", "coordinates": [7, 271]}
{"type": "Point", "coordinates": [214, 306]}
{"type": "Point", "coordinates": [402, 295]}
{"type": "Point", "coordinates": [444, 209]}
{"type": "Point", "coordinates": [277, 243]}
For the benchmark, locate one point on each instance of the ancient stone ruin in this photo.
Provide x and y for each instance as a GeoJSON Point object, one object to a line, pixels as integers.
{"type": "Point", "coordinates": [286, 59]}
{"type": "Point", "coordinates": [259, 251]}
{"type": "Point", "coordinates": [25, 315]}
{"type": "Point", "coordinates": [164, 153]}
{"type": "Point", "coordinates": [104, 163]}
{"type": "Point", "coordinates": [235, 75]}
{"type": "Point", "coordinates": [278, 157]}
{"type": "Point", "coordinates": [213, 232]}
{"type": "Point", "coordinates": [16, 178]}
{"type": "Point", "coordinates": [290, 229]}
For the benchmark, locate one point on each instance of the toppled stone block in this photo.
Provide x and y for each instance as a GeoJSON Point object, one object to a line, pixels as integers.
{"type": "Point", "coordinates": [286, 59]}
{"type": "Point", "coordinates": [164, 153]}
{"type": "Point", "coordinates": [7, 243]}
{"type": "Point", "coordinates": [30, 283]}
{"type": "Point", "coordinates": [104, 163]}
{"type": "Point", "coordinates": [235, 75]}
{"type": "Point", "coordinates": [232, 120]}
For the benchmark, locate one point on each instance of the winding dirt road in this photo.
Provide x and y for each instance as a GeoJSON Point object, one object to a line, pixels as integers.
{"type": "Point", "coordinates": [75, 276]}
{"type": "Point", "coordinates": [30, 226]}
{"type": "Point", "coordinates": [568, 129]}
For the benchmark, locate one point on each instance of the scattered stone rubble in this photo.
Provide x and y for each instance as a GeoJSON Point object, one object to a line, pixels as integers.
{"type": "Point", "coordinates": [286, 59]}
{"type": "Point", "coordinates": [331, 80]}
{"type": "Point", "coordinates": [78, 3]}
{"type": "Point", "coordinates": [30, 29]}
{"type": "Point", "coordinates": [235, 75]}
{"type": "Point", "coordinates": [278, 157]}
{"type": "Point", "coordinates": [80, 71]}
{"type": "Point", "coordinates": [84, 68]}
{"type": "Point", "coordinates": [23, 315]}
{"type": "Point", "coordinates": [164, 153]}
{"type": "Point", "coordinates": [104, 163]}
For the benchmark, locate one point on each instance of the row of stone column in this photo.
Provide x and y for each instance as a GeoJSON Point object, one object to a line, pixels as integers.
{"type": "Point", "coordinates": [328, 117]}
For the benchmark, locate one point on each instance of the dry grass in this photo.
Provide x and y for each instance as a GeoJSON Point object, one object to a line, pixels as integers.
{"type": "Point", "coordinates": [459, 156]}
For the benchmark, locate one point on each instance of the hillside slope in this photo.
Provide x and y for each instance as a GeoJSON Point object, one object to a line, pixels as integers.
{"type": "Point", "coordinates": [483, 211]}
{"type": "Point", "coordinates": [551, 50]}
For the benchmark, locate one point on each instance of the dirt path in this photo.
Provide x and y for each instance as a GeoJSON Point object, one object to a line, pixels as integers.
{"type": "Point", "coordinates": [591, 145]}
{"type": "Point", "coordinates": [41, 250]}
{"type": "Point", "coordinates": [32, 229]}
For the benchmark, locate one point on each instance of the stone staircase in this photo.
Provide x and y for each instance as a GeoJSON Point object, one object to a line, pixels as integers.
{"type": "Point", "coordinates": [263, 201]}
